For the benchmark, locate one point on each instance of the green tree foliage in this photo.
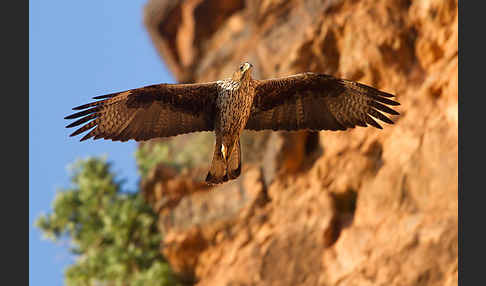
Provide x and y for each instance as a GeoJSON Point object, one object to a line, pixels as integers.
{"type": "Point", "coordinates": [182, 152]}
{"type": "Point", "coordinates": [113, 232]}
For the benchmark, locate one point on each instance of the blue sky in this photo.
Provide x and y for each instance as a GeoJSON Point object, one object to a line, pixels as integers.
{"type": "Point", "coordinates": [77, 50]}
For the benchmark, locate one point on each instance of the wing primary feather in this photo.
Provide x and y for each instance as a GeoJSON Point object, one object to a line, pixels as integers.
{"type": "Point", "coordinates": [374, 91]}
{"type": "Point", "coordinates": [91, 104]}
{"type": "Point", "coordinates": [372, 122]}
{"type": "Point", "coordinates": [84, 128]}
{"type": "Point", "coordinates": [381, 93]}
{"type": "Point", "coordinates": [82, 120]}
{"type": "Point", "coordinates": [82, 113]}
{"type": "Point", "coordinates": [106, 95]}
{"type": "Point", "coordinates": [89, 135]}
{"type": "Point", "coordinates": [367, 89]}
{"type": "Point", "coordinates": [384, 100]}
{"type": "Point", "coordinates": [383, 108]}
{"type": "Point", "coordinates": [380, 116]}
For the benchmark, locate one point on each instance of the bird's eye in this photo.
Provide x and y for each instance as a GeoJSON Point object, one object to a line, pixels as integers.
{"type": "Point", "coordinates": [242, 67]}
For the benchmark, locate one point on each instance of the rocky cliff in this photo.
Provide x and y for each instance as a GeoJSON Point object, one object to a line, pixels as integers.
{"type": "Point", "coordinates": [359, 207]}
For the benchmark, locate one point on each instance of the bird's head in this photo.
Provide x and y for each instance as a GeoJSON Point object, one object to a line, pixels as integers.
{"type": "Point", "coordinates": [244, 71]}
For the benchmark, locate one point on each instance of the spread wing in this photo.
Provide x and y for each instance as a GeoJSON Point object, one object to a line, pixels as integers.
{"type": "Point", "coordinates": [317, 102]}
{"type": "Point", "coordinates": [153, 111]}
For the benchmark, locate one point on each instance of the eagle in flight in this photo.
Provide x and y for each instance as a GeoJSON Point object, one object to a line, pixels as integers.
{"type": "Point", "coordinates": [308, 101]}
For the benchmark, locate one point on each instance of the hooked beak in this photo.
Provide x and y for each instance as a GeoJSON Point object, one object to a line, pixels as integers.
{"type": "Point", "coordinates": [246, 67]}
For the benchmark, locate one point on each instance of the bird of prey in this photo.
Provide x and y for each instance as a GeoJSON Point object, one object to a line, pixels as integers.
{"type": "Point", "coordinates": [308, 101]}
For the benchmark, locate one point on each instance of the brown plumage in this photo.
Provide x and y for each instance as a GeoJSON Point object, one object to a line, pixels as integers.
{"type": "Point", "coordinates": [304, 101]}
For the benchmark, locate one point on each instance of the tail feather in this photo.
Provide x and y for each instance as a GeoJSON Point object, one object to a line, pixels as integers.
{"type": "Point", "coordinates": [219, 171]}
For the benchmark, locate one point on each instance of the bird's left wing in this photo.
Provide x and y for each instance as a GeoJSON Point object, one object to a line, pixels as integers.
{"type": "Point", "coordinates": [143, 113]}
{"type": "Point", "coordinates": [317, 102]}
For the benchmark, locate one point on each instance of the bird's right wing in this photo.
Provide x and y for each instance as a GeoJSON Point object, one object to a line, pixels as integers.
{"type": "Point", "coordinates": [153, 111]}
{"type": "Point", "coordinates": [317, 102]}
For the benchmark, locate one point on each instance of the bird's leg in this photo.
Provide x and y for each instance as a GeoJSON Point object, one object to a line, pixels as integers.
{"type": "Point", "coordinates": [228, 146]}
{"type": "Point", "coordinates": [224, 151]}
